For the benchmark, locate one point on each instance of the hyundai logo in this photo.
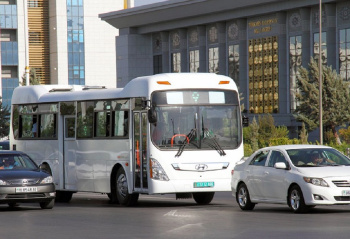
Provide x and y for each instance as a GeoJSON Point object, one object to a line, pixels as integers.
{"type": "Point", "coordinates": [24, 181]}
{"type": "Point", "coordinates": [201, 167]}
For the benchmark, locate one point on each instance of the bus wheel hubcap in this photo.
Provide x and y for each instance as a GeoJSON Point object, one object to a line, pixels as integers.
{"type": "Point", "coordinates": [122, 185]}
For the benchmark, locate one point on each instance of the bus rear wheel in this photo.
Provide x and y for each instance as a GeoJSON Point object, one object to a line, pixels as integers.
{"type": "Point", "coordinates": [203, 198]}
{"type": "Point", "coordinates": [123, 195]}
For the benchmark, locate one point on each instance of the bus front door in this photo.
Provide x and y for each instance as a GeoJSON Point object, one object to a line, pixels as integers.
{"type": "Point", "coordinates": [140, 154]}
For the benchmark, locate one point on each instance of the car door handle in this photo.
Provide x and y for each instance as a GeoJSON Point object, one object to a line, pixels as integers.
{"type": "Point", "coordinates": [266, 173]}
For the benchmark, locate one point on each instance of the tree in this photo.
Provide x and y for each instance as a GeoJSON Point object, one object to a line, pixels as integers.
{"type": "Point", "coordinates": [34, 79]}
{"type": "Point", "coordinates": [4, 120]}
{"type": "Point", "coordinates": [335, 98]}
{"type": "Point", "coordinates": [303, 134]}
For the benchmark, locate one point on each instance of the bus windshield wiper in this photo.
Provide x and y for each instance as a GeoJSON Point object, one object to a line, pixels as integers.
{"type": "Point", "coordinates": [212, 142]}
{"type": "Point", "coordinates": [184, 143]}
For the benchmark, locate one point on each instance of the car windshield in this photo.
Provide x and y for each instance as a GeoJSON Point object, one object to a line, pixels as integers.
{"type": "Point", "coordinates": [197, 127]}
{"type": "Point", "coordinates": [16, 161]}
{"type": "Point", "coordinates": [316, 157]}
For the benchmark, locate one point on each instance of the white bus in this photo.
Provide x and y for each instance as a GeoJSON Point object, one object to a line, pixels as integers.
{"type": "Point", "coordinates": [175, 133]}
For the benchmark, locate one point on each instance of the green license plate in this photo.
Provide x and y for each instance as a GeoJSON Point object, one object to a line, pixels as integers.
{"type": "Point", "coordinates": [203, 184]}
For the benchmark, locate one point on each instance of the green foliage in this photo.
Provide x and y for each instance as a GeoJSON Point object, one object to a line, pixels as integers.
{"type": "Point", "coordinates": [264, 133]}
{"type": "Point", "coordinates": [303, 134]}
{"type": "Point", "coordinates": [34, 79]}
{"type": "Point", "coordinates": [335, 98]}
{"type": "Point", "coordinates": [4, 120]}
{"type": "Point", "coordinates": [345, 135]}
{"type": "Point", "coordinates": [247, 150]}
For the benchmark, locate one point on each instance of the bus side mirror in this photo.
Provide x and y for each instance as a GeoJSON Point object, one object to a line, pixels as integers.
{"type": "Point", "coordinates": [152, 115]}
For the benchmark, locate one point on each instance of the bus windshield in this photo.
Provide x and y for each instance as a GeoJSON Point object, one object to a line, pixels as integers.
{"type": "Point", "coordinates": [201, 126]}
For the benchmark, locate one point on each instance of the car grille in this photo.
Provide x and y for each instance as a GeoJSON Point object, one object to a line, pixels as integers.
{"type": "Point", "coordinates": [342, 198]}
{"type": "Point", "coordinates": [341, 183]}
{"type": "Point", "coordinates": [20, 182]}
{"type": "Point", "coordinates": [25, 196]}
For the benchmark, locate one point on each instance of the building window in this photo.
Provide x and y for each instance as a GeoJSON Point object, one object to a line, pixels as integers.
{"type": "Point", "coordinates": [344, 54]}
{"type": "Point", "coordinates": [233, 63]}
{"type": "Point", "coordinates": [263, 75]}
{"type": "Point", "coordinates": [294, 66]}
{"type": "Point", "coordinates": [76, 43]}
{"type": "Point", "coordinates": [323, 47]}
{"type": "Point", "coordinates": [214, 60]}
{"type": "Point", "coordinates": [176, 62]}
{"type": "Point", "coordinates": [194, 61]}
{"type": "Point", "coordinates": [157, 64]}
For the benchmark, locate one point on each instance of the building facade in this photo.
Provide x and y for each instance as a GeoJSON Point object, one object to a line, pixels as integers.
{"type": "Point", "coordinates": [261, 44]}
{"type": "Point", "coordinates": [67, 42]}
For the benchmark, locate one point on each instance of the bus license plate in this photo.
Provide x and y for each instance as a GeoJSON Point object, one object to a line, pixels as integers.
{"type": "Point", "coordinates": [26, 189]}
{"type": "Point", "coordinates": [203, 184]}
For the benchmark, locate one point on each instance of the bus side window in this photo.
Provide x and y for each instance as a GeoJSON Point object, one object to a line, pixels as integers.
{"type": "Point", "coordinates": [26, 126]}
{"type": "Point", "coordinates": [121, 123]}
{"type": "Point", "coordinates": [35, 126]}
{"type": "Point", "coordinates": [47, 126]}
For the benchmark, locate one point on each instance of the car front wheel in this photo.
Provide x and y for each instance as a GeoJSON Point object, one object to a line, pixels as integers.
{"type": "Point", "coordinates": [47, 205]}
{"type": "Point", "coordinates": [243, 198]}
{"type": "Point", "coordinates": [296, 200]}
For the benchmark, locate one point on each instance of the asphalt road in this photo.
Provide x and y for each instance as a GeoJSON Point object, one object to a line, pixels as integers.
{"type": "Point", "coordinates": [91, 216]}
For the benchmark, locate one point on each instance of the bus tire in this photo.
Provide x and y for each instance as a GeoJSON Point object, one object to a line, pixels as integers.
{"type": "Point", "coordinates": [123, 196]}
{"type": "Point", "coordinates": [203, 198]}
{"type": "Point", "coordinates": [63, 196]}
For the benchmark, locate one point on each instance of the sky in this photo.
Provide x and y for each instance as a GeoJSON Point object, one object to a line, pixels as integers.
{"type": "Point", "coordinates": [144, 2]}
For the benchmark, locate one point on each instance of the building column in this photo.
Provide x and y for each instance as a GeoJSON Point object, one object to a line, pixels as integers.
{"type": "Point", "coordinates": [134, 56]}
{"type": "Point", "coordinates": [202, 48]}
{"type": "Point", "coordinates": [283, 80]}
{"type": "Point", "coordinates": [306, 35]}
{"type": "Point", "coordinates": [222, 48]}
{"type": "Point", "coordinates": [330, 10]}
{"type": "Point", "coordinates": [165, 51]}
{"type": "Point", "coordinates": [243, 59]}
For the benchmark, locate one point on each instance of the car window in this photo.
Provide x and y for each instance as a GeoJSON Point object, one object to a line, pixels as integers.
{"type": "Point", "coordinates": [277, 157]}
{"type": "Point", "coordinates": [315, 157]}
{"type": "Point", "coordinates": [260, 158]}
{"type": "Point", "coordinates": [16, 161]}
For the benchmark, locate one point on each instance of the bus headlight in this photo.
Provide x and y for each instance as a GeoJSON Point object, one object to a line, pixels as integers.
{"type": "Point", "coordinates": [156, 171]}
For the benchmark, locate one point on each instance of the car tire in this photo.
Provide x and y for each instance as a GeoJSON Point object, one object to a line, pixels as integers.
{"type": "Point", "coordinates": [13, 204]}
{"type": "Point", "coordinates": [47, 205]}
{"type": "Point", "coordinates": [296, 200]}
{"type": "Point", "coordinates": [203, 198]}
{"type": "Point", "coordinates": [243, 198]}
{"type": "Point", "coordinates": [122, 192]}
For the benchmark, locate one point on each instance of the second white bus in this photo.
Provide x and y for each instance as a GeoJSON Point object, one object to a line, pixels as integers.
{"type": "Point", "coordinates": [175, 133]}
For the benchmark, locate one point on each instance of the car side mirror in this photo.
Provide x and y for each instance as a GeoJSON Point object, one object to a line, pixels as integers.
{"type": "Point", "coordinates": [281, 165]}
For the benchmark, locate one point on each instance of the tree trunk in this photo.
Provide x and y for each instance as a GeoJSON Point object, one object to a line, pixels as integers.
{"type": "Point", "coordinates": [336, 136]}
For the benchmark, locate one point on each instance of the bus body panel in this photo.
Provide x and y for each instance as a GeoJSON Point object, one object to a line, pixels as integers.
{"type": "Point", "coordinates": [183, 179]}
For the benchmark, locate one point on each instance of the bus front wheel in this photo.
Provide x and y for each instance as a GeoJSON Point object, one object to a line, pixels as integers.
{"type": "Point", "coordinates": [203, 198]}
{"type": "Point", "coordinates": [123, 196]}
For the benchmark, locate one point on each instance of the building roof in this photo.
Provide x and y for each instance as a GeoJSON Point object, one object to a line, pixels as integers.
{"type": "Point", "coordinates": [184, 13]}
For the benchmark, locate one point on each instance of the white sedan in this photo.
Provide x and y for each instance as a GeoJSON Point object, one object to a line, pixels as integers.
{"type": "Point", "coordinates": [301, 176]}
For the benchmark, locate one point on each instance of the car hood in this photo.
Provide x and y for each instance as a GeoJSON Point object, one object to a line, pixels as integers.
{"type": "Point", "coordinates": [326, 171]}
{"type": "Point", "coordinates": [19, 174]}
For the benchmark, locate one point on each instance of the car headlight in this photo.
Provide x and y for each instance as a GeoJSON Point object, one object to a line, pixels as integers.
{"type": "Point", "coordinates": [156, 171]}
{"type": "Point", "coordinates": [316, 181]}
{"type": "Point", "coordinates": [47, 180]}
{"type": "Point", "coordinates": [2, 182]}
